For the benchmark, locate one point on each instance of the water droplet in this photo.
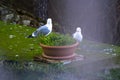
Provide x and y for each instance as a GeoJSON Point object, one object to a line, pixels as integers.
{"type": "Point", "coordinates": [114, 54]}
{"type": "Point", "coordinates": [16, 55]}
{"type": "Point", "coordinates": [107, 53]}
{"type": "Point", "coordinates": [11, 36]}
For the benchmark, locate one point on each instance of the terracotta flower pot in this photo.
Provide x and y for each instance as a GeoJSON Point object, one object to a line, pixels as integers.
{"type": "Point", "coordinates": [59, 52]}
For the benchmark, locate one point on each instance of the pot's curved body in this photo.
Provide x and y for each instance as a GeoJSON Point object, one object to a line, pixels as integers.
{"type": "Point", "coordinates": [59, 52]}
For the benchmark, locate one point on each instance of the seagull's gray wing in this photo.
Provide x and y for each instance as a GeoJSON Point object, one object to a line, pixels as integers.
{"type": "Point", "coordinates": [43, 30]}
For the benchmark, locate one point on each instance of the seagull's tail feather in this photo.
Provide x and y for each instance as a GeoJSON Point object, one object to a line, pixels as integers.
{"type": "Point", "coordinates": [30, 36]}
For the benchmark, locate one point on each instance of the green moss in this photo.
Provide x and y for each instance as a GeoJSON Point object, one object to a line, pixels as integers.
{"type": "Point", "coordinates": [16, 45]}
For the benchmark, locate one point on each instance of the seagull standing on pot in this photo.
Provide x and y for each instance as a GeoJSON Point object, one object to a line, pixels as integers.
{"type": "Point", "coordinates": [44, 30]}
{"type": "Point", "coordinates": [78, 35]}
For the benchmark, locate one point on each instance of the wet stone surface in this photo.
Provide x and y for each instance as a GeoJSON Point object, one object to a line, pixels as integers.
{"type": "Point", "coordinates": [95, 64]}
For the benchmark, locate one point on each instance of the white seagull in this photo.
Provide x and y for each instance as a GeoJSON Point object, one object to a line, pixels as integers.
{"type": "Point", "coordinates": [78, 35]}
{"type": "Point", "coordinates": [43, 30]}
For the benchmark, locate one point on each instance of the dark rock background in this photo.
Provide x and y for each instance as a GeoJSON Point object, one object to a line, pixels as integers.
{"type": "Point", "coordinates": [95, 17]}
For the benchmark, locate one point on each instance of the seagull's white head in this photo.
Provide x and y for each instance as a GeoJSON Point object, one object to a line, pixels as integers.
{"type": "Point", "coordinates": [49, 24]}
{"type": "Point", "coordinates": [78, 29]}
{"type": "Point", "coordinates": [49, 21]}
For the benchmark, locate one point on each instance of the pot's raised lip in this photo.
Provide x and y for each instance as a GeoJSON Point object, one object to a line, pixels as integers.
{"type": "Point", "coordinates": [75, 44]}
{"type": "Point", "coordinates": [59, 57]}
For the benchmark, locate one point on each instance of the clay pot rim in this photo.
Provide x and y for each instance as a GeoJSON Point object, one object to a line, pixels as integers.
{"type": "Point", "coordinates": [66, 46]}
